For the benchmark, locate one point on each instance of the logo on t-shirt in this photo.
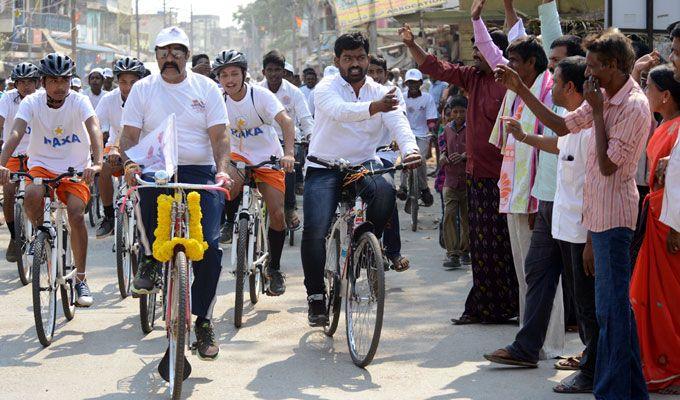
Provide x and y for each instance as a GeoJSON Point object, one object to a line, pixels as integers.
{"type": "Point", "coordinates": [198, 105]}
{"type": "Point", "coordinates": [241, 132]}
{"type": "Point", "coordinates": [61, 139]}
{"type": "Point", "coordinates": [59, 130]}
{"type": "Point", "coordinates": [285, 100]}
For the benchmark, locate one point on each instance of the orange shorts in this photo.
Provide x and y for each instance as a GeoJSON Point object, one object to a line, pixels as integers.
{"type": "Point", "coordinates": [78, 189]}
{"type": "Point", "coordinates": [13, 164]}
{"type": "Point", "coordinates": [272, 177]}
{"type": "Point", "coordinates": [116, 172]}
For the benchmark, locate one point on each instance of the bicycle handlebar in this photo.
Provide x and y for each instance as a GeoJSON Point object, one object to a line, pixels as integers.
{"type": "Point", "coordinates": [273, 160]}
{"type": "Point", "coordinates": [14, 176]}
{"type": "Point", "coordinates": [343, 165]}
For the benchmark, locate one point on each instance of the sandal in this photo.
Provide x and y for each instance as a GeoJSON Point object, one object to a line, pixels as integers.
{"type": "Point", "coordinates": [576, 383]}
{"type": "Point", "coordinates": [400, 263]}
{"type": "Point", "coordinates": [568, 364]}
{"type": "Point", "coordinates": [502, 356]}
{"type": "Point", "coordinates": [465, 320]}
{"type": "Point", "coordinates": [292, 220]}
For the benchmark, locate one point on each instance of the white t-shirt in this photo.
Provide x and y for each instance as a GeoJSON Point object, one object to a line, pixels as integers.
{"type": "Point", "coordinates": [9, 105]}
{"type": "Point", "coordinates": [252, 133]}
{"type": "Point", "coordinates": [110, 112]}
{"type": "Point", "coordinates": [295, 104]}
{"type": "Point", "coordinates": [94, 99]}
{"type": "Point", "coordinates": [388, 136]}
{"type": "Point", "coordinates": [197, 104]}
{"type": "Point", "coordinates": [418, 111]}
{"type": "Point", "coordinates": [58, 139]}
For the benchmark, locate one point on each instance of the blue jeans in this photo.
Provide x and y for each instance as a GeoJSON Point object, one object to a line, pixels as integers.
{"type": "Point", "coordinates": [618, 371]}
{"type": "Point", "coordinates": [391, 237]}
{"type": "Point", "coordinates": [321, 197]}
{"type": "Point", "coordinates": [207, 271]}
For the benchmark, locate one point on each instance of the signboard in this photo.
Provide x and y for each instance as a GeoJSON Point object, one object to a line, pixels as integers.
{"type": "Point", "coordinates": [627, 14]}
{"type": "Point", "coordinates": [356, 12]}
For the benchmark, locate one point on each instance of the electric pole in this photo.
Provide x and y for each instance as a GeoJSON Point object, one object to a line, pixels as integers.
{"type": "Point", "coordinates": [137, 25]}
{"type": "Point", "coordinates": [165, 20]}
{"type": "Point", "coordinates": [74, 32]}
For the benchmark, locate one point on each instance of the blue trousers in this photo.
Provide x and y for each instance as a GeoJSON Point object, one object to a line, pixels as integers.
{"type": "Point", "coordinates": [618, 370]}
{"type": "Point", "coordinates": [207, 271]}
{"type": "Point", "coordinates": [391, 237]}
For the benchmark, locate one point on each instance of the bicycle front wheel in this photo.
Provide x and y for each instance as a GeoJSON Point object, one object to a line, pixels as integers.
{"type": "Point", "coordinates": [241, 269]}
{"type": "Point", "coordinates": [125, 259]}
{"type": "Point", "coordinates": [22, 236]}
{"type": "Point", "coordinates": [94, 209]}
{"type": "Point", "coordinates": [44, 289]}
{"type": "Point", "coordinates": [177, 326]}
{"type": "Point", "coordinates": [255, 276]}
{"type": "Point", "coordinates": [332, 279]}
{"type": "Point", "coordinates": [365, 300]}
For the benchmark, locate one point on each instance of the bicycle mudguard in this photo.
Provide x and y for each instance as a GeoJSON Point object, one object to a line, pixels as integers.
{"type": "Point", "coordinates": [359, 230]}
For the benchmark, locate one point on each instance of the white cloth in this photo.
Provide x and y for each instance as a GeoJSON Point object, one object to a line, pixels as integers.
{"type": "Point", "coordinates": [670, 211]}
{"type": "Point", "coordinates": [295, 103]}
{"type": "Point", "coordinates": [157, 151]}
{"type": "Point", "coordinates": [9, 105]}
{"type": "Point", "coordinates": [110, 112]}
{"type": "Point", "coordinates": [252, 132]}
{"type": "Point", "coordinates": [344, 128]}
{"type": "Point", "coordinates": [388, 136]}
{"type": "Point", "coordinates": [308, 92]}
{"type": "Point", "coordinates": [197, 104]}
{"type": "Point", "coordinates": [94, 99]}
{"type": "Point", "coordinates": [58, 139]}
{"type": "Point", "coordinates": [568, 208]}
{"type": "Point", "coordinates": [418, 111]}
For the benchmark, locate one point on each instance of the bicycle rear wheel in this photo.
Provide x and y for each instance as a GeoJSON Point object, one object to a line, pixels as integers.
{"type": "Point", "coordinates": [22, 236]}
{"type": "Point", "coordinates": [255, 276]}
{"type": "Point", "coordinates": [44, 290]}
{"type": "Point", "coordinates": [94, 208]}
{"type": "Point", "coordinates": [68, 289]}
{"type": "Point", "coordinates": [241, 269]}
{"type": "Point", "coordinates": [147, 311]}
{"type": "Point", "coordinates": [178, 327]}
{"type": "Point", "coordinates": [126, 260]}
{"type": "Point", "coordinates": [365, 300]}
{"type": "Point", "coordinates": [332, 276]}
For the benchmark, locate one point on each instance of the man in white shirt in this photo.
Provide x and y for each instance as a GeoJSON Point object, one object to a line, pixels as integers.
{"type": "Point", "coordinates": [127, 70]}
{"type": "Point", "coordinates": [203, 156]}
{"type": "Point", "coordinates": [311, 79]}
{"type": "Point", "coordinates": [107, 73]}
{"type": "Point", "coordinates": [273, 69]}
{"type": "Point", "coordinates": [95, 91]}
{"type": "Point", "coordinates": [255, 111]}
{"type": "Point", "coordinates": [422, 115]}
{"type": "Point", "coordinates": [64, 129]}
{"type": "Point", "coordinates": [26, 80]}
{"type": "Point", "coordinates": [351, 110]}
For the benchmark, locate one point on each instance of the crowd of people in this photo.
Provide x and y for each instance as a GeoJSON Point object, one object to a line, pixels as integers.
{"type": "Point", "coordinates": [556, 162]}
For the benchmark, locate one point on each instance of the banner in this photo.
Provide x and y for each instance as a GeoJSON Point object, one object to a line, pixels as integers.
{"type": "Point", "coordinates": [157, 150]}
{"type": "Point", "coordinates": [356, 12]}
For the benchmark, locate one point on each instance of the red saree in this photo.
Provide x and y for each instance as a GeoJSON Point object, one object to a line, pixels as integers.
{"type": "Point", "coordinates": [655, 286]}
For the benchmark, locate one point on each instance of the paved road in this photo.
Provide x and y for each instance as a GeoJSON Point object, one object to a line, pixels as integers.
{"type": "Point", "coordinates": [102, 353]}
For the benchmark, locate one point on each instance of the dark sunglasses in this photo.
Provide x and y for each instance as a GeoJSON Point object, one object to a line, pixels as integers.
{"type": "Point", "coordinates": [176, 53]}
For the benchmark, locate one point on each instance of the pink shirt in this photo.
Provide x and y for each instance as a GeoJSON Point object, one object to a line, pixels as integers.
{"type": "Point", "coordinates": [612, 201]}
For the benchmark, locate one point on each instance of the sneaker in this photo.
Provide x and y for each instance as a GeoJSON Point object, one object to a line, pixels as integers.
{"type": "Point", "coordinates": [84, 295]}
{"type": "Point", "coordinates": [452, 263]}
{"type": "Point", "coordinates": [105, 228]}
{"type": "Point", "coordinates": [317, 313]}
{"type": "Point", "coordinates": [13, 253]}
{"type": "Point", "coordinates": [465, 259]}
{"type": "Point", "coordinates": [426, 197]}
{"type": "Point", "coordinates": [277, 282]}
{"type": "Point", "coordinates": [402, 194]}
{"type": "Point", "coordinates": [227, 233]}
{"type": "Point", "coordinates": [205, 341]}
{"type": "Point", "coordinates": [149, 277]}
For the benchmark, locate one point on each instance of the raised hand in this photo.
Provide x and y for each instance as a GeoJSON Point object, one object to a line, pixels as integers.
{"type": "Point", "coordinates": [648, 61]}
{"type": "Point", "coordinates": [476, 9]}
{"type": "Point", "coordinates": [407, 35]}
{"type": "Point", "coordinates": [508, 77]}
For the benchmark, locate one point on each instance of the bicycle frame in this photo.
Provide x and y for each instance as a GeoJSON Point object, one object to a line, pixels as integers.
{"type": "Point", "coordinates": [250, 206]}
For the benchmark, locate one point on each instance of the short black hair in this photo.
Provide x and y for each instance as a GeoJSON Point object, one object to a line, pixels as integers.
{"type": "Point", "coordinates": [640, 45]}
{"type": "Point", "coordinates": [572, 43]}
{"type": "Point", "coordinates": [675, 31]}
{"type": "Point", "coordinates": [663, 77]}
{"type": "Point", "coordinates": [377, 60]}
{"type": "Point", "coordinates": [609, 45]}
{"type": "Point", "coordinates": [274, 57]}
{"type": "Point", "coordinates": [498, 37]}
{"type": "Point", "coordinates": [530, 46]}
{"type": "Point", "coordinates": [308, 70]}
{"type": "Point", "coordinates": [196, 58]}
{"type": "Point", "coordinates": [350, 41]}
{"type": "Point", "coordinates": [456, 101]}
{"type": "Point", "coordinates": [573, 69]}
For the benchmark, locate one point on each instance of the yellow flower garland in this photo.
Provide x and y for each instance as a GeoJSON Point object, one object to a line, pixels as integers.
{"type": "Point", "coordinates": [164, 246]}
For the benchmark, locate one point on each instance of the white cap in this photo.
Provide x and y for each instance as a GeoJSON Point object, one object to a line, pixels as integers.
{"type": "Point", "coordinates": [413, 75]}
{"type": "Point", "coordinates": [9, 80]}
{"type": "Point", "coordinates": [330, 71]}
{"type": "Point", "coordinates": [289, 67]}
{"type": "Point", "coordinates": [76, 82]}
{"type": "Point", "coordinates": [172, 35]}
{"type": "Point", "coordinates": [108, 73]}
{"type": "Point", "coordinates": [96, 70]}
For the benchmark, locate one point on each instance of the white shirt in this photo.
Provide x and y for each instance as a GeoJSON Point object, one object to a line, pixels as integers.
{"type": "Point", "coordinates": [344, 128]}
{"type": "Point", "coordinates": [94, 99]}
{"type": "Point", "coordinates": [9, 105]}
{"type": "Point", "coordinates": [568, 206]}
{"type": "Point", "coordinates": [197, 104]}
{"type": "Point", "coordinates": [110, 112]}
{"type": "Point", "coordinates": [252, 132]}
{"type": "Point", "coordinates": [308, 93]}
{"type": "Point", "coordinates": [58, 139]}
{"type": "Point", "coordinates": [418, 111]}
{"type": "Point", "coordinates": [388, 137]}
{"type": "Point", "coordinates": [295, 104]}
{"type": "Point", "coordinates": [670, 210]}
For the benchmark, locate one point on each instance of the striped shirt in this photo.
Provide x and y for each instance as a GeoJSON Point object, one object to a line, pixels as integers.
{"type": "Point", "coordinates": [612, 201]}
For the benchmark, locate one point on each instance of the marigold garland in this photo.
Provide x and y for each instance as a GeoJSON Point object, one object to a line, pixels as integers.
{"type": "Point", "coordinates": [164, 246]}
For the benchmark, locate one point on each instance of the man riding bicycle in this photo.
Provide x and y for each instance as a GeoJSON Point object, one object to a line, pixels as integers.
{"type": "Point", "coordinates": [203, 156]}
{"type": "Point", "coordinates": [128, 71]}
{"type": "Point", "coordinates": [253, 110]}
{"type": "Point", "coordinates": [64, 131]}
{"type": "Point", "coordinates": [350, 111]}
{"type": "Point", "coordinates": [26, 79]}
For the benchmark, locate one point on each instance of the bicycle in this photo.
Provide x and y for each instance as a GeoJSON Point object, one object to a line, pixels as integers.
{"type": "Point", "coordinates": [176, 298]}
{"type": "Point", "coordinates": [414, 190]}
{"type": "Point", "coordinates": [94, 207]}
{"type": "Point", "coordinates": [250, 250]}
{"type": "Point", "coordinates": [302, 147]}
{"type": "Point", "coordinates": [53, 263]}
{"type": "Point", "coordinates": [23, 229]}
{"type": "Point", "coordinates": [355, 264]}
{"type": "Point", "coordinates": [126, 240]}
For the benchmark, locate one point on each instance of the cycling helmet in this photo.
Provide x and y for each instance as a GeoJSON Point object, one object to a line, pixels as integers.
{"type": "Point", "coordinates": [129, 64]}
{"type": "Point", "coordinates": [25, 70]}
{"type": "Point", "coordinates": [229, 58]}
{"type": "Point", "coordinates": [55, 64]}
